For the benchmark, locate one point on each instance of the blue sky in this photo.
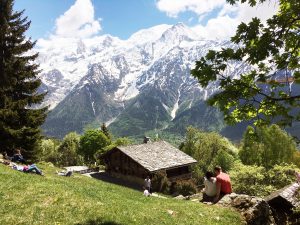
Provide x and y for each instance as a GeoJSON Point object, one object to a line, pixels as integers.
{"type": "Point", "coordinates": [121, 18]}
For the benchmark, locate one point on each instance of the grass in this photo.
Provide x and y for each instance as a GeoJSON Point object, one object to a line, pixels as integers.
{"type": "Point", "coordinates": [32, 199]}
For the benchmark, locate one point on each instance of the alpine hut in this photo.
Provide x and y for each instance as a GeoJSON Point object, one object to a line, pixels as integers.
{"type": "Point", "coordinates": [135, 162]}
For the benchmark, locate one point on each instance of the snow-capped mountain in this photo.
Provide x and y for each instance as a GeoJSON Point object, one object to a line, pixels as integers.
{"type": "Point", "coordinates": [136, 85]}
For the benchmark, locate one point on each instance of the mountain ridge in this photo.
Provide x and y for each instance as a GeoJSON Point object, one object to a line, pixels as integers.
{"type": "Point", "coordinates": [105, 79]}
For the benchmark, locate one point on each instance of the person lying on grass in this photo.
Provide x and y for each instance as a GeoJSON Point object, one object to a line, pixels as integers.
{"type": "Point", "coordinates": [27, 169]}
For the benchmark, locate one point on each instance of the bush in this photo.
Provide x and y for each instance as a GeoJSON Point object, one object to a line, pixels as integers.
{"type": "Point", "coordinates": [223, 159]}
{"type": "Point", "coordinates": [185, 188]}
{"type": "Point", "coordinates": [297, 158]}
{"type": "Point", "coordinates": [197, 175]}
{"type": "Point", "coordinates": [47, 149]}
{"type": "Point", "coordinates": [160, 183]}
{"type": "Point", "coordinates": [249, 180]}
{"type": "Point", "coordinates": [267, 146]}
{"type": "Point", "coordinates": [258, 181]}
{"type": "Point", "coordinates": [281, 175]}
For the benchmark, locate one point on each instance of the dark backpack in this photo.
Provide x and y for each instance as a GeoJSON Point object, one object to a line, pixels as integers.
{"type": "Point", "coordinates": [69, 173]}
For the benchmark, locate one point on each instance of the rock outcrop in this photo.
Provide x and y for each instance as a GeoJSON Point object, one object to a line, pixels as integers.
{"type": "Point", "coordinates": [255, 211]}
{"type": "Point", "coordinates": [282, 203]}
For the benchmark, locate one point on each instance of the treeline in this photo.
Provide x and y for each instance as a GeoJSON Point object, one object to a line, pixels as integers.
{"type": "Point", "coordinates": [77, 149]}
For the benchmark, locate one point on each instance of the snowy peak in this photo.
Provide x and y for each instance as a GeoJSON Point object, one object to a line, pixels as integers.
{"type": "Point", "coordinates": [80, 47]}
{"type": "Point", "coordinates": [109, 58]}
{"type": "Point", "coordinates": [177, 33]}
{"type": "Point", "coordinates": [103, 42]}
{"type": "Point", "coordinates": [148, 35]}
{"type": "Point", "coordinates": [105, 79]}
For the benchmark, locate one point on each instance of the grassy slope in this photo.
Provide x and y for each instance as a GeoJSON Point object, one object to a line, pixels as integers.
{"type": "Point", "coordinates": [33, 199]}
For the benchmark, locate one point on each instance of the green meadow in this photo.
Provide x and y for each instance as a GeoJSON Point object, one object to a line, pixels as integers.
{"type": "Point", "coordinates": [52, 199]}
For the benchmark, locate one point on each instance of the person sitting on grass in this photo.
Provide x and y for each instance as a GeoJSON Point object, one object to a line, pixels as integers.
{"type": "Point", "coordinates": [27, 169]}
{"type": "Point", "coordinates": [17, 157]}
{"type": "Point", "coordinates": [210, 187]}
{"type": "Point", "coordinates": [5, 156]}
{"type": "Point", "coordinates": [223, 184]}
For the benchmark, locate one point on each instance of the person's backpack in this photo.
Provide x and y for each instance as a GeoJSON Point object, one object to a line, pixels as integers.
{"type": "Point", "coordinates": [69, 173]}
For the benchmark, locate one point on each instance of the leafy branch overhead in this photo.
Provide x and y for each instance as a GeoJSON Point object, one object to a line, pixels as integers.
{"type": "Point", "coordinates": [264, 93]}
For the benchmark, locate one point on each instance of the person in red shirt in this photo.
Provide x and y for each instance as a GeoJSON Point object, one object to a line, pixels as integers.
{"type": "Point", "coordinates": [223, 183]}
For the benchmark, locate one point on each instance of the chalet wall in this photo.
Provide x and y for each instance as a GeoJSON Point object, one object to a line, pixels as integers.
{"type": "Point", "coordinates": [118, 162]}
{"type": "Point", "coordinates": [177, 171]}
{"type": "Point", "coordinates": [130, 178]}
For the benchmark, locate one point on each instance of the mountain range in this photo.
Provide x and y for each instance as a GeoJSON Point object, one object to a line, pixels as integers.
{"type": "Point", "coordinates": [135, 86]}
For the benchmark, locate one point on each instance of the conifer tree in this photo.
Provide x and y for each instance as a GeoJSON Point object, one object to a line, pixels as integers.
{"type": "Point", "coordinates": [19, 117]}
{"type": "Point", "coordinates": [106, 131]}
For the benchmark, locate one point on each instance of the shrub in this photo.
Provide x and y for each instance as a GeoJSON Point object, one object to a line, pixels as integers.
{"type": "Point", "coordinates": [47, 149]}
{"type": "Point", "coordinates": [297, 158]}
{"type": "Point", "coordinates": [161, 183]}
{"type": "Point", "coordinates": [223, 159]}
{"type": "Point", "coordinates": [281, 175]}
{"type": "Point", "coordinates": [258, 181]}
{"type": "Point", "coordinates": [185, 187]}
{"type": "Point", "coordinates": [197, 175]}
{"type": "Point", "coordinates": [249, 180]}
{"type": "Point", "coordinates": [267, 146]}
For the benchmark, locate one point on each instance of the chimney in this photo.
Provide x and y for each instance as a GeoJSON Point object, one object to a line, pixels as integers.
{"type": "Point", "coordinates": [146, 140]}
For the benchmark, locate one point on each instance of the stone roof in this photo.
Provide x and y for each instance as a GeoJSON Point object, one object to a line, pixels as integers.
{"type": "Point", "coordinates": [285, 195]}
{"type": "Point", "coordinates": [158, 155]}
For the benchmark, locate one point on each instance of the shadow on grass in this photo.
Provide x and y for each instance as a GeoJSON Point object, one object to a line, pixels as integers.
{"type": "Point", "coordinates": [107, 178]}
{"type": "Point", "coordinates": [98, 221]}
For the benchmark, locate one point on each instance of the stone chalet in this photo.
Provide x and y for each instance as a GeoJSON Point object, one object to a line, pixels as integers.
{"type": "Point", "coordinates": [135, 162]}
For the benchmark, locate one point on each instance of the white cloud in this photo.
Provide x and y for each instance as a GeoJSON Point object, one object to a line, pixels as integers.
{"type": "Point", "coordinates": [78, 21]}
{"type": "Point", "coordinates": [262, 11]}
{"type": "Point", "coordinates": [225, 23]}
{"type": "Point", "coordinates": [221, 27]}
{"type": "Point", "coordinates": [174, 7]}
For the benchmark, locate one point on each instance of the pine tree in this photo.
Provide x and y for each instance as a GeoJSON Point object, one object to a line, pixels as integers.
{"type": "Point", "coordinates": [19, 97]}
{"type": "Point", "coordinates": [106, 131]}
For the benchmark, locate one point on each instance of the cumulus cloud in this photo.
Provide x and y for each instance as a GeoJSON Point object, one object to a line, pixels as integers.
{"type": "Point", "coordinates": [221, 27]}
{"type": "Point", "coordinates": [224, 23]}
{"type": "Point", "coordinates": [78, 21]}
